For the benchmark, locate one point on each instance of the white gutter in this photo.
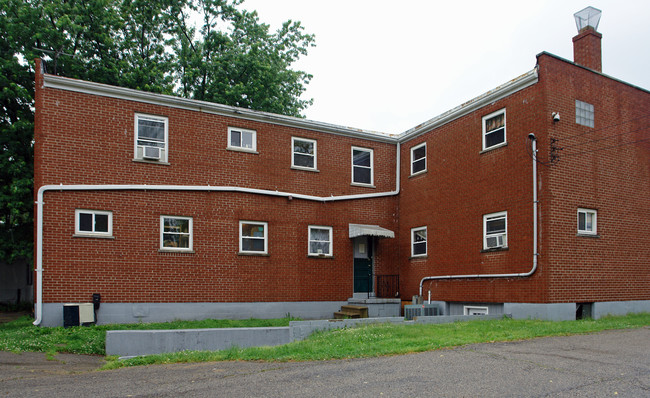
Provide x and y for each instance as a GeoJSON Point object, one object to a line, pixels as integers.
{"type": "Point", "coordinates": [197, 188]}
{"type": "Point", "coordinates": [535, 254]}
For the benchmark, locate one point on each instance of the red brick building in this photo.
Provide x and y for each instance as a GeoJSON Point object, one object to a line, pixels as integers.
{"type": "Point", "coordinates": [532, 199]}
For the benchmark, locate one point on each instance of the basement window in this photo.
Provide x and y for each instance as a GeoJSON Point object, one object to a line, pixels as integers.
{"type": "Point", "coordinates": [253, 237]}
{"type": "Point", "coordinates": [494, 130]}
{"type": "Point", "coordinates": [472, 310]}
{"type": "Point", "coordinates": [93, 223]}
{"type": "Point", "coordinates": [584, 114]}
{"type": "Point", "coordinates": [176, 233]}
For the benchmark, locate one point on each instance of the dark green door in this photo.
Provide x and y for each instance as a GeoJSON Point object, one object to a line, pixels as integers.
{"type": "Point", "coordinates": [362, 275]}
{"type": "Point", "coordinates": [363, 264]}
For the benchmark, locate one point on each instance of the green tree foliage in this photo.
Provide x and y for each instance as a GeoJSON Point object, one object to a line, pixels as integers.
{"type": "Point", "coordinates": [228, 57]}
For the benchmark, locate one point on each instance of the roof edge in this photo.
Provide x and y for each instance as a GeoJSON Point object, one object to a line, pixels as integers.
{"type": "Point", "coordinates": [592, 70]}
{"type": "Point", "coordinates": [106, 90]}
{"type": "Point", "coordinates": [519, 83]}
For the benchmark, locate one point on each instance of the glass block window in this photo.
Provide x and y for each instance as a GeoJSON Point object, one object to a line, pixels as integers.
{"type": "Point", "coordinates": [584, 113]}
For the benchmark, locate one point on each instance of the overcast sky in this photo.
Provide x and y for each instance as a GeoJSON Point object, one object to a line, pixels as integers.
{"type": "Point", "coordinates": [388, 66]}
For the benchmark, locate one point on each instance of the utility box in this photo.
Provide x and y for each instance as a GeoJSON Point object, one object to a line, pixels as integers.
{"type": "Point", "coordinates": [78, 314]}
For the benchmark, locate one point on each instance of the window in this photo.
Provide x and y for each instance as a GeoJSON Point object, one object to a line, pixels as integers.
{"type": "Point", "coordinates": [253, 237]}
{"type": "Point", "coordinates": [362, 166]}
{"type": "Point", "coordinates": [320, 241]}
{"type": "Point", "coordinates": [584, 114]}
{"type": "Point", "coordinates": [495, 230]}
{"type": "Point", "coordinates": [176, 233]}
{"type": "Point", "coordinates": [418, 241]}
{"type": "Point", "coordinates": [242, 140]}
{"type": "Point", "coordinates": [494, 129]}
{"type": "Point", "coordinates": [93, 223]}
{"type": "Point", "coordinates": [469, 310]}
{"type": "Point", "coordinates": [587, 221]}
{"type": "Point", "coordinates": [151, 138]}
{"type": "Point", "coordinates": [303, 153]}
{"type": "Point", "coordinates": [419, 158]}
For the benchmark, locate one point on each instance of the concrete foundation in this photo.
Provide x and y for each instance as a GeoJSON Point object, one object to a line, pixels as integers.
{"type": "Point", "coordinates": [166, 312]}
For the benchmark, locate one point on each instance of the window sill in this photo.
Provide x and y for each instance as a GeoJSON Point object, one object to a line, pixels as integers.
{"type": "Point", "coordinates": [305, 169]}
{"type": "Point", "coordinates": [93, 236]}
{"type": "Point", "coordinates": [358, 184]}
{"type": "Point", "coordinates": [323, 256]}
{"type": "Point", "coordinates": [421, 257]}
{"type": "Point", "coordinates": [176, 251]}
{"type": "Point", "coordinates": [152, 162]}
{"type": "Point", "coordinates": [583, 235]}
{"type": "Point", "coordinates": [419, 173]}
{"type": "Point", "coordinates": [253, 254]}
{"type": "Point", "coordinates": [496, 249]}
{"type": "Point", "coordinates": [494, 147]}
{"type": "Point", "coordinates": [235, 149]}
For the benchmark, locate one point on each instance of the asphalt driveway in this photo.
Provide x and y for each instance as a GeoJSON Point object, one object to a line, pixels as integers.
{"type": "Point", "coordinates": [613, 363]}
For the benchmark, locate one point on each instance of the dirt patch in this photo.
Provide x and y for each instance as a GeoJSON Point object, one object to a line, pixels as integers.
{"type": "Point", "coordinates": [29, 365]}
{"type": "Point", "coordinates": [8, 316]}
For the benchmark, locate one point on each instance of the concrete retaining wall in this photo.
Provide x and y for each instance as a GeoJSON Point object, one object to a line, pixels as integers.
{"type": "Point", "coordinates": [147, 342]}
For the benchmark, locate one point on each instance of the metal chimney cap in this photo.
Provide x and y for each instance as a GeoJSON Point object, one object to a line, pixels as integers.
{"type": "Point", "coordinates": [590, 16]}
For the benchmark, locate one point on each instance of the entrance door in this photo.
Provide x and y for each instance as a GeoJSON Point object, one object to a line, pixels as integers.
{"type": "Point", "coordinates": [363, 265]}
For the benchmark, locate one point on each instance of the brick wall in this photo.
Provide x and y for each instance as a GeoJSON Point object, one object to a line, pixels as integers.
{"type": "Point", "coordinates": [598, 169]}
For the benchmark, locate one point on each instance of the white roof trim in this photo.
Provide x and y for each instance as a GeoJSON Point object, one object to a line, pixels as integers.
{"type": "Point", "coordinates": [370, 230]}
{"type": "Point", "coordinates": [105, 90]}
{"type": "Point", "coordinates": [504, 90]}
{"type": "Point", "coordinates": [64, 83]}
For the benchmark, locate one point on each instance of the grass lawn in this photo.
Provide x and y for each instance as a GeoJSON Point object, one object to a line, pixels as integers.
{"type": "Point", "coordinates": [365, 341]}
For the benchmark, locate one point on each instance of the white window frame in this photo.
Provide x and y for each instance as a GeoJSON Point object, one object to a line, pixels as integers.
{"type": "Point", "coordinates": [414, 160]}
{"type": "Point", "coordinates": [503, 235]}
{"type": "Point", "coordinates": [330, 241]}
{"type": "Point", "coordinates": [241, 148]}
{"type": "Point", "coordinates": [265, 237]}
{"type": "Point", "coordinates": [294, 153]}
{"type": "Point", "coordinates": [585, 114]}
{"type": "Point", "coordinates": [475, 310]}
{"type": "Point", "coordinates": [594, 221]}
{"type": "Point", "coordinates": [93, 213]}
{"type": "Point", "coordinates": [190, 233]}
{"type": "Point", "coordinates": [485, 132]}
{"type": "Point", "coordinates": [371, 168]}
{"type": "Point", "coordinates": [426, 245]}
{"type": "Point", "coordinates": [138, 151]}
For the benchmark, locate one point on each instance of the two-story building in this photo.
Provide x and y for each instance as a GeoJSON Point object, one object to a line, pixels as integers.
{"type": "Point", "coordinates": [531, 199]}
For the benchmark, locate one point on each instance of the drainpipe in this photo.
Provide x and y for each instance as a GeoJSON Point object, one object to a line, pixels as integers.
{"type": "Point", "coordinates": [533, 139]}
{"type": "Point", "coordinates": [38, 308]}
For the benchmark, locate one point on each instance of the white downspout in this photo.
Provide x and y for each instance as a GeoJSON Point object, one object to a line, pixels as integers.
{"type": "Point", "coordinates": [38, 307]}
{"type": "Point", "coordinates": [535, 254]}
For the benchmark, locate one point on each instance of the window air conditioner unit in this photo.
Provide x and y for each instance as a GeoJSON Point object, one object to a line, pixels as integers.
{"type": "Point", "coordinates": [494, 241]}
{"type": "Point", "coordinates": [151, 153]}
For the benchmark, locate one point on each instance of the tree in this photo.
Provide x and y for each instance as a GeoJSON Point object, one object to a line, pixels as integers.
{"type": "Point", "coordinates": [150, 45]}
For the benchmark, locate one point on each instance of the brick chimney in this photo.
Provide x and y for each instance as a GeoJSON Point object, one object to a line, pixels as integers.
{"type": "Point", "coordinates": [586, 45]}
